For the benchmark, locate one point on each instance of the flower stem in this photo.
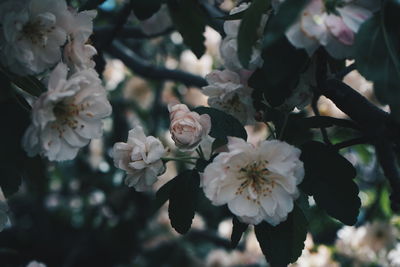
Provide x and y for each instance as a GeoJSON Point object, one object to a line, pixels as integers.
{"type": "Point", "coordinates": [184, 159]}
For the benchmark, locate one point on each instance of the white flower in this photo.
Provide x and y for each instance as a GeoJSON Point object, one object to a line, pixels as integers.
{"type": "Point", "coordinates": [68, 115]}
{"type": "Point", "coordinates": [258, 183]}
{"type": "Point", "coordinates": [229, 46]}
{"type": "Point", "coordinates": [33, 32]}
{"type": "Point", "coordinates": [227, 93]}
{"type": "Point", "coordinates": [140, 157]}
{"type": "Point", "coordinates": [188, 128]}
{"type": "Point", "coordinates": [332, 27]}
{"type": "Point", "coordinates": [77, 53]}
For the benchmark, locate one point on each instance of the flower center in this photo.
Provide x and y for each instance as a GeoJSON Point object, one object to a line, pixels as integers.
{"type": "Point", "coordinates": [255, 176]}
{"type": "Point", "coordinates": [65, 113]}
{"type": "Point", "coordinates": [36, 32]}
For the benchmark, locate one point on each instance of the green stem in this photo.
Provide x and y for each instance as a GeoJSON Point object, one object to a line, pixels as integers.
{"type": "Point", "coordinates": [184, 160]}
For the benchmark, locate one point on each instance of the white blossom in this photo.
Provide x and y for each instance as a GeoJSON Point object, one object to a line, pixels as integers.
{"type": "Point", "coordinates": [188, 128]}
{"type": "Point", "coordinates": [331, 27]}
{"type": "Point", "coordinates": [140, 157]}
{"type": "Point", "coordinates": [226, 92]}
{"type": "Point", "coordinates": [68, 115]}
{"type": "Point", "coordinates": [258, 183]}
{"type": "Point", "coordinates": [32, 33]}
{"type": "Point", "coordinates": [77, 52]}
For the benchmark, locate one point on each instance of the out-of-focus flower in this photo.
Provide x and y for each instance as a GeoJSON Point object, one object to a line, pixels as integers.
{"type": "Point", "coordinates": [32, 34]}
{"type": "Point", "coordinates": [157, 23]}
{"type": "Point", "coordinates": [140, 157]}
{"type": "Point", "coordinates": [35, 264]}
{"type": "Point", "coordinates": [258, 183]}
{"type": "Point", "coordinates": [77, 52]}
{"type": "Point", "coordinates": [189, 62]}
{"type": "Point", "coordinates": [187, 128]}
{"type": "Point", "coordinates": [368, 243]}
{"type": "Point", "coordinates": [3, 212]}
{"type": "Point", "coordinates": [114, 73]}
{"type": "Point", "coordinates": [227, 93]}
{"type": "Point", "coordinates": [229, 47]}
{"type": "Point", "coordinates": [332, 24]}
{"type": "Point", "coordinates": [68, 115]}
{"type": "Point", "coordinates": [394, 256]}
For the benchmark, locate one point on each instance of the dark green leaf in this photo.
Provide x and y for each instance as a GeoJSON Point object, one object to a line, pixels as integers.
{"type": "Point", "coordinates": [145, 9]}
{"type": "Point", "coordinates": [279, 75]}
{"type": "Point", "coordinates": [183, 199]}
{"type": "Point", "coordinates": [377, 53]}
{"type": "Point", "coordinates": [222, 125]}
{"type": "Point", "coordinates": [10, 180]}
{"type": "Point", "coordinates": [249, 28]}
{"type": "Point", "coordinates": [190, 22]}
{"type": "Point", "coordinates": [329, 178]}
{"type": "Point", "coordinates": [29, 84]}
{"type": "Point", "coordinates": [288, 12]}
{"type": "Point", "coordinates": [237, 231]}
{"type": "Point", "coordinates": [283, 243]}
{"type": "Point", "coordinates": [163, 194]}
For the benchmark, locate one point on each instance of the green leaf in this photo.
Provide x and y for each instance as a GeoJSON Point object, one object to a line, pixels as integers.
{"type": "Point", "coordinates": [29, 84]}
{"type": "Point", "coordinates": [163, 194]}
{"type": "Point", "coordinates": [283, 243]}
{"type": "Point", "coordinates": [145, 9]}
{"type": "Point", "coordinates": [10, 181]}
{"type": "Point", "coordinates": [222, 125]}
{"type": "Point", "coordinates": [182, 200]}
{"type": "Point", "coordinates": [237, 231]}
{"type": "Point", "coordinates": [288, 12]}
{"type": "Point", "coordinates": [329, 178]}
{"type": "Point", "coordinates": [279, 75]}
{"type": "Point", "coordinates": [249, 28]}
{"type": "Point", "coordinates": [190, 22]}
{"type": "Point", "coordinates": [377, 53]}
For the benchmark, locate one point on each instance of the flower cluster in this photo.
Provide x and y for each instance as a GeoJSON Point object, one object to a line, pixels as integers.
{"type": "Point", "coordinates": [38, 36]}
{"type": "Point", "coordinates": [258, 183]}
{"type": "Point", "coordinates": [68, 115]}
{"type": "Point", "coordinates": [228, 89]}
{"type": "Point", "coordinates": [331, 24]}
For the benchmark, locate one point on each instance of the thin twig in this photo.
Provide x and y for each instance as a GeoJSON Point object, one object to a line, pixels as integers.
{"type": "Point", "coordinates": [147, 70]}
{"type": "Point", "coordinates": [351, 142]}
{"type": "Point", "coordinates": [341, 74]}
{"type": "Point", "coordinates": [314, 106]}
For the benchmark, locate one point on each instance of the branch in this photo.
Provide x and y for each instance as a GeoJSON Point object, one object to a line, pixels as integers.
{"type": "Point", "coordinates": [372, 120]}
{"type": "Point", "coordinates": [129, 32]}
{"type": "Point", "coordinates": [351, 142]}
{"type": "Point", "coordinates": [147, 70]}
{"type": "Point", "coordinates": [341, 74]}
{"type": "Point", "coordinates": [326, 121]}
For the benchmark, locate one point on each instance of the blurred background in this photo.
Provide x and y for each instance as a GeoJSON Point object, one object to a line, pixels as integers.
{"type": "Point", "coordinates": [80, 213]}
